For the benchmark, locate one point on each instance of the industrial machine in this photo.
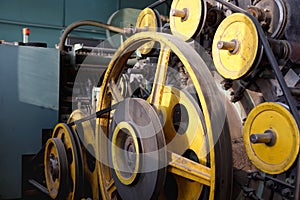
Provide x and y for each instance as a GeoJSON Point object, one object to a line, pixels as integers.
{"type": "Point", "coordinates": [201, 104]}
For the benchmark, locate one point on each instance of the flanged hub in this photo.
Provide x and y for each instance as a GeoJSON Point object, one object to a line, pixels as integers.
{"type": "Point", "coordinates": [125, 153]}
{"type": "Point", "coordinates": [137, 152]}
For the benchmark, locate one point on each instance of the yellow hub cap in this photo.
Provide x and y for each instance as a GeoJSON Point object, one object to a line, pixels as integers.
{"type": "Point", "coordinates": [125, 153]}
{"type": "Point", "coordinates": [274, 135]}
{"type": "Point", "coordinates": [235, 46]}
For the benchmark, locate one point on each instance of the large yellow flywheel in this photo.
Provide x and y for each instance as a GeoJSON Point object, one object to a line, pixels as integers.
{"type": "Point", "coordinates": [162, 141]}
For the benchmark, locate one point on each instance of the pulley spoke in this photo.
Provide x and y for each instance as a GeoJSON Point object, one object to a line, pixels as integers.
{"type": "Point", "coordinates": [160, 75]}
{"type": "Point", "coordinates": [116, 94]}
{"type": "Point", "coordinates": [189, 169]}
{"type": "Point", "coordinates": [111, 188]}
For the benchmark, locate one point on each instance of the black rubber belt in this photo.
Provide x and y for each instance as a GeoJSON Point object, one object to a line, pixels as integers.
{"type": "Point", "coordinates": [157, 3]}
{"type": "Point", "coordinates": [288, 96]}
{"type": "Point", "coordinates": [98, 114]}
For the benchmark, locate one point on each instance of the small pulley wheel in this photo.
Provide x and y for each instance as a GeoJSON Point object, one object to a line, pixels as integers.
{"type": "Point", "coordinates": [148, 20]}
{"type": "Point", "coordinates": [187, 18]}
{"type": "Point", "coordinates": [276, 13]}
{"type": "Point", "coordinates": [86, 133]}
{"type": "Point", "coordinates": [137, 153]}
{"type": "Point", "coordinates": [236, 48]}
{"type": "Point", "coordinates": [74, 157]}
{"type": "Point", "coordinates": [56, 168]}
{"type": "Point", "coordinates": [271, 137]}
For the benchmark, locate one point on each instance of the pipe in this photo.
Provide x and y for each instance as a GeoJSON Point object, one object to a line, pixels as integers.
{"type": "Point", "coordinates": [74, 25]}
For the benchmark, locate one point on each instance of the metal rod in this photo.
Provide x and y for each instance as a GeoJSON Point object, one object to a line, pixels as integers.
{"type": "Point", "coordinates": [267, 137]}
{"type": "Point", "coordinates": [230, 46]}
{"type": "Point", "coordinates": [178, 13]}
{"type": "Point", "coordinates": [183, 14]}
{"type": "Point", "coordinates": [39, 186]}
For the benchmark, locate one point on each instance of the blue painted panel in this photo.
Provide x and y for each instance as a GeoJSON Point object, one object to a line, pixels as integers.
{"type": "Point", "coordinates": [163, 8]}
{"type": "Point", "coordinates": [21, 123]}
{"type": "Point", "coordinates": [89, 9]}
{"type": "Point", "coordinates": [33, 11]}
{"type": "Point", "coordinates": [38, 76]}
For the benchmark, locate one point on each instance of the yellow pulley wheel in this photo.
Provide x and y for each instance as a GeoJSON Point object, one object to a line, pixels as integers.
{"type": "Point", "coordinates": [74, 155]}
{"type": "Point", "coordinates": [271, 138]}
{"type": "Point", "coordinates": [148, 20]}
{"type": "Point", "coordinates": [56, 168]}
{"type": "Point", "coordinates": [187, 118]}
{"type": "Point", "coordinates": [86, 134]}
{"type": "Point", "coordinates": [187, 18]}
{"type": "Point", "coordinates": [235, 46]}
{"type": "Point", "coordinates": [124, 136]}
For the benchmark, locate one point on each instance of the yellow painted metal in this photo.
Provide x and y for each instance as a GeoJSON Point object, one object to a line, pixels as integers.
{"type": "Point", "coordinates": [160, 76]}
{"type": "Point", "coordinates": [190, 59]}
{"type": "Point", "coordinates": [51, 152]}
{"type": "Point", "coordinates": [189, 169]}
{"type": "Point", "coordinates": [277, 158]}
{"type": "Point", "coordinates": [194, 134]}
{"type": "Point", "coordinates": [234, 64]}
{"type": "Point", "coordinates": [116, 148]}
{"type": "Point", "coordinates": [89, 147]}
{"type": "Point", "coordinates": [147, 21]}
{"type": "Point", "coordinates": [62, 132]}
{"type": "Point", "coordinates": [190, 24]}
{"type": "Point", "coordinates": [193, 137]}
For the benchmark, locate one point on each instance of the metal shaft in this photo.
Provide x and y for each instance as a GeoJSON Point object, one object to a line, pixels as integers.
{"type": "Point", "coordinates": [230, 46]}
{"type": "Point", "coordinates": [183, 14]}
{"type": "Point", "coordinates": [268, 137]}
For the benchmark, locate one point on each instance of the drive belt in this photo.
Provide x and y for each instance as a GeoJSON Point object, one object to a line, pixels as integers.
{"type": "Point", "coordinates": [98, 114]}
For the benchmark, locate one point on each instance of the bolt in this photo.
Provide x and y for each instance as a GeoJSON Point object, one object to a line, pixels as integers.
{"type": "Point", "coordinates": [286, 192]}
{"type": "Point", "coordinates": [270, 184]}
